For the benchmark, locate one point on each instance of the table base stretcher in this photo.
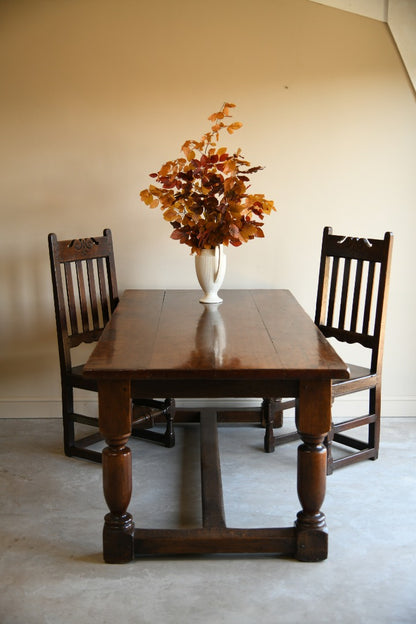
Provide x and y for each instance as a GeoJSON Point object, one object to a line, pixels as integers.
{"type": "Point", "coordinates": [307, 540]}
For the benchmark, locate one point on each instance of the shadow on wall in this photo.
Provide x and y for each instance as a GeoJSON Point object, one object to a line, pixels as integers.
{"type": "Point", "coordinates": [27, 323]}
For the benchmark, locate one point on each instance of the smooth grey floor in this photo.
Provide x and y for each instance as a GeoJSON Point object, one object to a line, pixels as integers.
{"type": "Point", "coordinates": [51, 516]}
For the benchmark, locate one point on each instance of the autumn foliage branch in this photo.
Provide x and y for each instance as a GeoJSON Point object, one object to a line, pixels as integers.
{"type": "Point", "coordinates": [204, 194]}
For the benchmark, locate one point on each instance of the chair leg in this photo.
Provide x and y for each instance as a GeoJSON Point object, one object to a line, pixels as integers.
{"type": "Point", "coordinates": [276, 412]}
{"type": "Point", "coordinates": [329, 459]}
{"type": "Point", "coordinates": [374, 427]}
{"type": "Point", "coordinates": [67, 419]}
{"type": "Point", "coordinates": [267, 418]}
{"type": "Point", "coordinates": [170, 415]}
{"type": "Point", "coordinates": [273, 413]}
{"type": "Point", "coordinates": [72, 447]}
{"type": "Point", "coordinates": [361, 450]}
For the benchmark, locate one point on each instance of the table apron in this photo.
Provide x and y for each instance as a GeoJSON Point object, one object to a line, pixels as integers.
{"type": "Point", "coordinates": [213, 388]}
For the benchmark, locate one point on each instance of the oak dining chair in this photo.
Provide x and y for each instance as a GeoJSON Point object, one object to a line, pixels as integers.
{"type": "Point", "coordinates": [351, 307]}
{"type": "Point", "coordinates": [85, 296]}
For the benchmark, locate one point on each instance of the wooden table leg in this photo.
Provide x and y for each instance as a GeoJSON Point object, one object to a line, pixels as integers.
{"type": "Point", "coordinates": [313, 423]}
{"type": "Point", "coordinates": [115, 425]}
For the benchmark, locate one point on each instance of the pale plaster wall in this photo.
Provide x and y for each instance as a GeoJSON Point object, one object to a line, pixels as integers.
{"type": "Point", "coordinates": [401, 18]}
{"type": "Point", "coordinates": [402, 23]}
{"type": "Point", "coordinates": [376, 9]}
{"type": "Point", "coordinates": [96, 94]}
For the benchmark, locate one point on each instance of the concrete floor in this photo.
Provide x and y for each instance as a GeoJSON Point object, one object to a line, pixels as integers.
{"type": "Point", "coordinates": [51, 515]}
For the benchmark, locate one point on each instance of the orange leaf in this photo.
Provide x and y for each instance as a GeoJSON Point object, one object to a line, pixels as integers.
{"type": "Point", "coordinates": [189, 153]}
{"type": "Point", "coordinates": [170, 214]}
{"type": "Point", "coordinates": [226, 108]}
{"type": "Point", "coordinates": [234, 126]}
{"type": "Point", "coordinates": [230, 167]}
{"type": "Point", "coordinates": [146, 197]}
{"type": "Point", "coordinates": [228, 184]}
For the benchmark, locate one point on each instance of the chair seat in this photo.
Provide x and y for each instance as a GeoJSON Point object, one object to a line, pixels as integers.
{"type": "Point", "coordinates": [79, 381]}
{"type": "Point", "coordinates": [361, 378]}
{"type": "Point", "coordinates": [356, 372]}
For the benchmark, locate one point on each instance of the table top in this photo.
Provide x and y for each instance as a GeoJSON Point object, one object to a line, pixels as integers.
{"type": "Point", "coordinates": [263, 334]}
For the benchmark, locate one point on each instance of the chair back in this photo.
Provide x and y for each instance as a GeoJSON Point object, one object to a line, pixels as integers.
{"type": "Point", "coordinates": [352, 290]}
{"type": "Point", "coordinates": [84, 290]}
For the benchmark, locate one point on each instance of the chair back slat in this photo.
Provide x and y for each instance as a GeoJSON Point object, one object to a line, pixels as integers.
{"type": "Point", "coordinates": [332, 291]}
{"type": "Point", "coordinates": [95, 303]}
{"type": "Point", "coordinates": [357, 270]}
{"type": "Point", "coordinates": [368, 297]}
{"type": "Point", "coordinates": [102, 282]}
{"type": "Point", "coordinates": [356, 296]}
{"type": "Point", "coordinates": [67, 297]}
{"type": "Point", "coordinates": [83, 297]}
{"type": "Point", "coordinates": [85, 289]}
{"type": "Point", "coordinates": [344, 295]}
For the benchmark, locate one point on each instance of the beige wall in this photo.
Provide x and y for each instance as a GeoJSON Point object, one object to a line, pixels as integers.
{"type": "Point", "coordinates": [401, 18]}
{"type": "Point", "coordinates": [402, 23]}
{"type": "Point", "coordinates": [376, 9]}
{"type": "Point", "coordinates": [95, 94]}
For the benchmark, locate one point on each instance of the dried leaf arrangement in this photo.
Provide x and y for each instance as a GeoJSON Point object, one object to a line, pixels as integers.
{"type": "Point", "coordinates": [204, 194]}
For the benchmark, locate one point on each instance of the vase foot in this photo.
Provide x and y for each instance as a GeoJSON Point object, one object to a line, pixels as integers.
{"type": "Point", "coordinates": [210, 299]}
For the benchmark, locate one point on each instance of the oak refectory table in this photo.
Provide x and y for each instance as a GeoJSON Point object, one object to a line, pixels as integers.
{"type": "Point", "coordinates": [257, 343]}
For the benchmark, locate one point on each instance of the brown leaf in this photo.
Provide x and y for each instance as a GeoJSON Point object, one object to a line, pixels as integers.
{"type": "Point", "coordinates": [234, 230]}
{"type": "Point", "coordinates": [176, 235]}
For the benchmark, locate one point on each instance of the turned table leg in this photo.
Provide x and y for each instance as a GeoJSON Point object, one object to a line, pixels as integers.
{"type": "Point", "coordinates": [115, 425]}
{"type": "Point", "coordinates": [313, 423]}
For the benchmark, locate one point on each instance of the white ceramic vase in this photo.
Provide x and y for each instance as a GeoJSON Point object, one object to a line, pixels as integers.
{"type": "Point", "coordinates": [210, 268]}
